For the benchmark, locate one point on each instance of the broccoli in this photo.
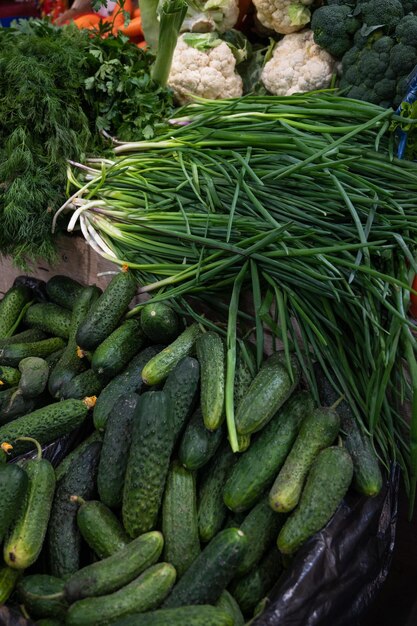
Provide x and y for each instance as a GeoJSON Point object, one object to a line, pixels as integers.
{"type": "Point", "coordinates": [334, 27]}
{"type": "Point", "coordinates": [386, 13]}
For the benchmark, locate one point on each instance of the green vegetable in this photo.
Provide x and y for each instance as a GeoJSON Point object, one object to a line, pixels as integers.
{"type": "Point", "coordinates": [12, 305]}
{"type": "Point", "coordinates": [50, 318]}
{"type": "Point", "coordinates": [115, 352]}
{"type": "Point", "coordinates": [14, 353]}
{"type": "Point", "coordinates": [87, 383]}
{"type": "Point", "coordinates": [25, 336]}
{"type": "Point", "coordinates": [198, 444]}
{"type": "Point", "coordinates": [250, 589]}
{"type": "Point", "coordinates": [62, 468]}
{"type": "Point", "coordinates": [99, 527]}
{"type": "Point", "coordinates": [13, 487]}
{"type": "Point", "coordinates": [9, 377]}
{"type": "Point", "coordinates": [34, 376]}
{"type": "Point", "coordinates": [327, 484]}
{"type": "Point", "coordinates": [228, 604]}
{"type": "Point", "coordinates": [366, 470]}
{"type": "Point", "coordinates": [210, 354]}
{"type": "Point", "coordinates": [159, 322]}
{"type": "Point", "coordinates": [8, 580]}
{"type": "Point", "coordinates": [181, 388]}
{"type": "Point", "coordinates": [334, 26]}
{"type": "Point", "coordinates": [171, 17]}
{"type": "Point", "coordinates": [32, 590]}
{"type": "Point", "coordinates": [202, 615]}
{"type": "Point", "coordinates": [14, 405]}
{"type": "Point", "coordinates": [64, 291]}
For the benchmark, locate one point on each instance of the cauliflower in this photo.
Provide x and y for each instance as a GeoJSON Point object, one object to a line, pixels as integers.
{"type": "Point", "coordinates": [207, 69]}
{"type": "Point", "coordinates": [283, 16]}
{"type": "Point", "coordinates": [212, 15]}
{"type": "Point", "coordinates": [297, 65]}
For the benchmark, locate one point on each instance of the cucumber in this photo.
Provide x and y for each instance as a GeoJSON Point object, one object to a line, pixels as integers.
{"type": "Point", "coordinates": [211, 509]}
{"type": "Point", "coordinates": [243, 442]}
{"type": "Point", "coordinates": [326, 486]}
{"type": "Point", "coordinates": [9, 377]}
{"type": "Point", "coordinates": [115, 450]}
{"type": "Point", "coordinates": [50, 318]}
{"type": "Point", "coordinates": [52, 359]}
{"type": "Point", "coordinates": [115, 352]}
{"type": "Point", "coordinates": [250, 589]}
{"type": "Point", "coordinates": [158, 368]}
{"type": "Point", "coordinates": [11, 307]}
{"type": "Point", "coordinates": [13, 488]}
{"type": "Point", "coordinates": [257, 468]}
{"type": "Point", "coordinates": [33, 592]}
{"type": "Point", "coordinates": [14, 353]}
{"type": "Point", "coordinates": [46, 424]}
{"type": "Point", "coordinates": [24, 543]}
{"type": "Point", "coordinates": [198, 444]}
{"type": "Point", "coordinates": [64, 538]}
{"type": "Point", "coordinates": [15, 406]}
{"type": "Point", "coordinates": [63, 290]}
{"type": "Point", "coordinates": [211, 572]}
{"type": "Point", "coordinates": [210, 354]}
{"type": "Point", "coordinates": [181, 388]}
{"type": "Point", "coordinates": [34, 376]}
{"type": "Point", "coordinates": [228, 604]}
{"type": "Point", "coordinates": [99, 527]}
{"type": "Point", "coordinates": [203, 615]}
{"type": "Point", "coordinates": [159, 322]}
{"type": "Point", "coordinates": [367, 477]}
{"type": "Point", "coordinates": [8, 581]}
{"type": "Point", "coordinates": [85, 384]}
{"type": "Point", "coordinates": [25, 336]}
{"type": "Point", "coordinates": [128, 381]}
{"type": "Point", "coordinates": [148, 463]}
{"type": "Point", "coordinates": [62, 468]}
{"type": "Point", "coordinates": [318, 431]}
{"type": "Point", "coordinates": [143, 594]}
{"type": "Point", "coordinates": [117, 570]}
{"type": "Point", "coordinates": [243, 376]}
{"type": "Point", "coordinates": [179, 519]}
{"type": "Point", "coordinates": [107, 311]}
{"type": "Point", "coordinates": [270, 388]}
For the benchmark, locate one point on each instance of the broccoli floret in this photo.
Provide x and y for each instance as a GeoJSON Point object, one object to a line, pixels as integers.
{"type": "Point", "coordinates": [406, 31]}
{"type": "Point", "coordinates": [409, 6]}
{"type": "Point", "coordinates": [402, 59]}
{"type": "Point", "coordinates": [333, 28]}
{"type": "Point", "coordinates": [383, 45]}
{"type": "Point", "coordinates": [385, 89]}
{"type": "Point", "coordinates": [387, 13]}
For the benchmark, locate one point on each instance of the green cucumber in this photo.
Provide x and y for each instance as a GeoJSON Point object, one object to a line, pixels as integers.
{"type": "Point", "coordinates": [179, 519]}
{"type": "Point", "coordinates": [14, 353]}
{"type": "Point", "coordinates": [181, 388]}
{"type": "Point", "coordinates": [24, 543]}
{"type": "Point", "coordinates": [46, 424]}
{"type": "Point", "coordinates": [270, 388]}
{"type": "Point", "coordinates": [198, 444]}
{"type": "Point", "coordinates": [25, 336]}
{"type": "Point", "coordinates": [115, 450]}
{"type": "Point", "coordinates": [148, 463]}
{"type": "Point", "coordinates": [143, 594]}
{"type": "Point", "coordinates": [243, 376]}
{"type": "Point", "coordinates": [159, 322]}
{"type": "Point", "coordinates": [367, 477]}
{"type": "Point", "coordinates": [49, 317]}
{"type": "Point", "coordinates": [250, 589]}
{"type": "Point", "coordinates": [16, 406]}
{"type": "Point", "coordinates": [62, 468]}
{"type": "Point", "coordinates": [85, 384]}
{"type": "Point", "coordinates": [243, 442]}
{"type": "Point", "coordinates": [34, 376]}
{"type": "Point", "coordinates": [318, 430]}
{"type": "Point", "coordinates": [128, 381]}
{"type": "Point", "coordinates": [8, 581]}
{"type": "Point", "coordinates": [211, 572]}
{"type": "Point", "coordinates": [228, 604]}
{"type": "Point", "coordinates": [326, 486]}
{"type": "Point", "coordinates": [202, 615]}
{"type": "Point", "coordinates": [64, 537]}
{"type": "Point", "coordinates": [158, 368]}
{"type": "Point", "coordinates": [106, 313]}
{"type": "Point", "coordinates": [63, 290]}
{"type": "Point", "coordinates": [99, 527]}
{"type": "Point", "coordinates": [13, 487]}
{"type": "Point", "coordinates": [9, 377]}
{"type": "Point", "coordinates": [11, 307]}
{"type": "Point", "coordinates": [257, 468]}
{"type": "Point", "coordinates": [115, 571]}
{"type": "Point", "coordinates": [211, 509]}
{"type": "Point", "coordinates": [210, 354]}
{"type": "Point", "coordinates": [33, 592]}
{"type": "Point", "coordinates": [53, 358]}
{"type": "Point", "coordinates": [115, 352]}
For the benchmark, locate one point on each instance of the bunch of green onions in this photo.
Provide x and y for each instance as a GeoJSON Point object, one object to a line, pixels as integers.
{"type": "Point", "coordinates": [298, 198]}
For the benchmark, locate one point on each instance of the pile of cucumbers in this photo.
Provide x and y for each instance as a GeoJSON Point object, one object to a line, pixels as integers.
{"type": "Point", "coordinates": [152, 519]}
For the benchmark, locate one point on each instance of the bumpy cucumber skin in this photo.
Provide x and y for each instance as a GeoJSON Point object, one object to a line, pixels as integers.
{"type": "Point", "coordinates": [210, 354]}
{"type": "Point", "coordinates": [14, 353]}
{"type": "Point", "coordinates": [16, 406]}
{"type": "Point", "coordinates": [148, 463]}
{"type": "Point", "coordinates": [159, 322]}
{"type": "Point", "coordinates": [32, 591]}
{"type": "Point", "coordinates": [211, 509]}
{"type": "Point", "coordinates": [257, 468]}
{"type": "Point", "coordinates": [115, 450]}
{"type": "Point", "coordinates": [100, 528]}
{"type": "Point", "coordinates": [145, 593]}
{"type": "Point", "coordinates": [85, 384]}
{"type": "Point", "coordinates": [113, 573]}
{"type": "Point", "coordinates": [243, 378]}
{"type": "Point", "coordinates": [198, 444]}
{"type": "Point", "coordinates": [11, 306]}
{"type": "Point", "coordinates": [63, 290]}
{"type": "Point", "coordinates": [25, 541]}
{"type": "Point", "coordinates": [158, 368]}
{"type": "Point", "coordinates": [202, 615]}
{"type": "Point", "coordinates": [181, 387]}
{"type": "Point", "coordinates": [128, 381]}
{"type": "Point", "coordinates": [64, 538]}
{"type": "Point", "coordinates": [62, 468]}
{"type": "Point", "coordinates": [26, 336]}
{"type": "Point", "coordinates": [326, 486]}
{"type": "Point", "coordinates": [115, 352]}
{"type": "Point", "coordinates": [228, 604]}
{"type": "Point", "coordinates": [318, 431]}
{"type": "Point", "coordinates": [35, 372]}
{"type": "Point", "coordinates": [367, 477]}
{"type": "Point", "coordinates": [179, 519]}
{"type": "Point", "coordinates": [8, 580]}
{"type": "Point", "coordinates": [107, 311]}
{"type": "Point", "coordinates": [9, 377]}
{"type": "Point", "coordinates": [209, 575]}
{"type": "Point", "coordinates": [50, 318]}
{"type": "Point", "coordinates": [270, 388]}
{"type": "Point", "coordinates": [45, 424]}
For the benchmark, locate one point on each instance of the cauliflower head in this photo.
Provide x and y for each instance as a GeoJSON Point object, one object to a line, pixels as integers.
{"type": "Point", "coordinates": [283, 16]}
{"type": "Point", "coordinates": [297, 65]}
{"type": "Point", "coordinates": [210, 15]}
{"type": "Point", "coordinates": [209, 73]}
